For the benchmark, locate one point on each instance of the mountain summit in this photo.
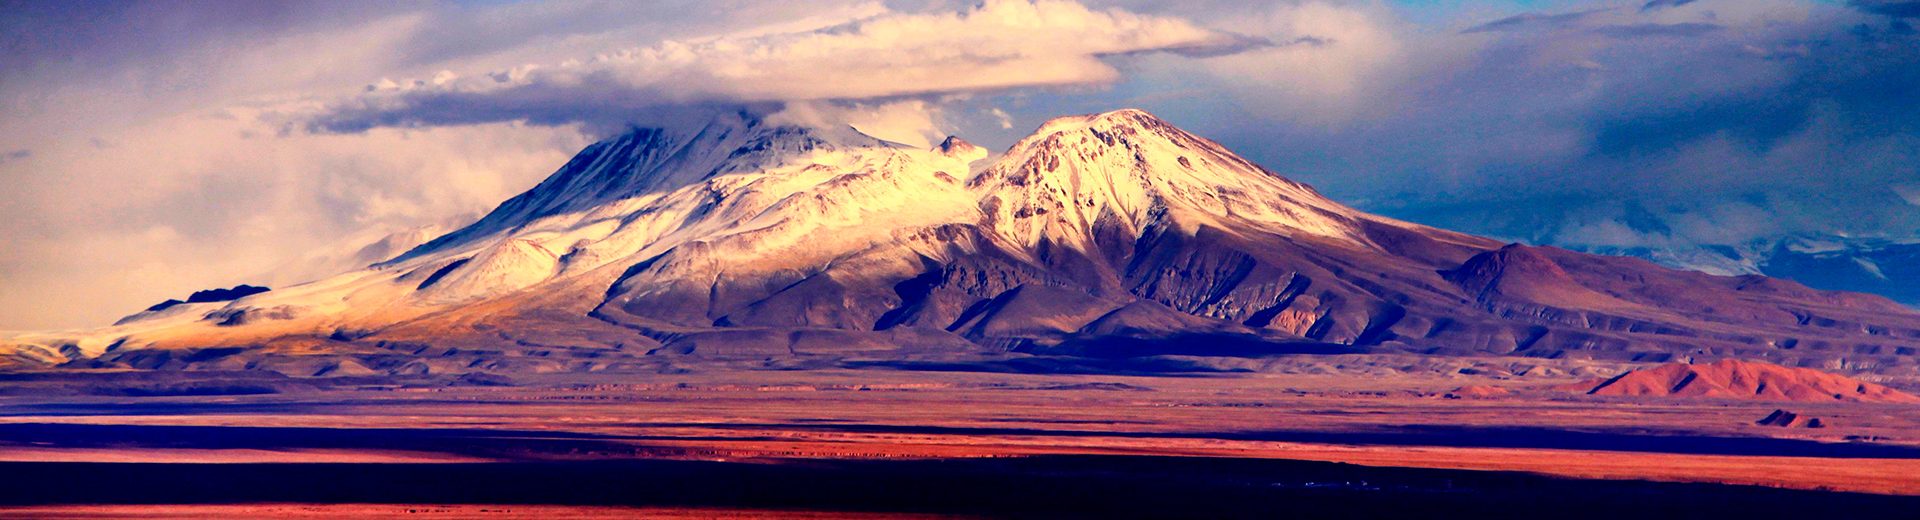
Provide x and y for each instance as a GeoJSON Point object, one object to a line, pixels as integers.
{"type": "Point", "coordinates": [1113, 236]}
{"type": "Point", "coordinates": [1130, 170]}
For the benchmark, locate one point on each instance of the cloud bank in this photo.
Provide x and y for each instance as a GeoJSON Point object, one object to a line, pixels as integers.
{"type": "Point", "coordinates": [1684, 123]}
{"type": "Point", "coordinates": [996, 45]}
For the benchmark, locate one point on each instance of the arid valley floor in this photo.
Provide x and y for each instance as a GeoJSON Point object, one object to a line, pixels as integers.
{"type": "Point", "coordinates": [753, 443]}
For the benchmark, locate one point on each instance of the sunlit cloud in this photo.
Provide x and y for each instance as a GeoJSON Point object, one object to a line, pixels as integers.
{"type": "Point", "coordinates": [997, 45]}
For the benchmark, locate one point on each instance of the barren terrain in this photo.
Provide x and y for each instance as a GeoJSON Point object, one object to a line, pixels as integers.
{"type": "Point", "coordinates": [345, 443]}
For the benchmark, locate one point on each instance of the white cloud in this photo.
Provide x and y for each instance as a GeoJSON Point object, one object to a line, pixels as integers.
{"type": "Point", "coordinates": [190, 202]}
{"type": "Point", "coordinates": [999, 44]}
{"type": "Point", "coordinates": [1000, 116]}
{"type": "Point", "coordinates": [1908, 192]}
{"type": "Point", "coordinates": [914, 122]}
{"type": "Point", "coordinates": [1326, 62]}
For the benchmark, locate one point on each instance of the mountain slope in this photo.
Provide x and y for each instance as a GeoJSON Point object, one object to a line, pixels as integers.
{"type": "Point", "coordinates": [1889, 268]}
{"type": "Point", "coordinates": [1106, 235]}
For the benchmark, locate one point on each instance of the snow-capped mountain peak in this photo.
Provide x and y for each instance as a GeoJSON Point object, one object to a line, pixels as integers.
{"type": "Point", "coordinates": [652, 160]}
{"type": "Point", "coordinates": [1127, 168]}
{"type": "Point", "coordinates": [959, 148]}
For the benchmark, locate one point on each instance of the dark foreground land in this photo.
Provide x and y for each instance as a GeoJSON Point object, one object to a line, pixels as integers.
{"type": "Point", "coordinates": [1039, 486]}
{"type": "Point", "coordinates": [869, 442]}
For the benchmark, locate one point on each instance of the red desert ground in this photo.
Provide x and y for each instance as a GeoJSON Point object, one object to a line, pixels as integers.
{"type": "Point", "coordinates": [1113, 317]}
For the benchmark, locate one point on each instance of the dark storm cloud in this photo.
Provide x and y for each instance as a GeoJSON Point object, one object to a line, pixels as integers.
{"type": "Point", "coordinates": [1812, 138]}
{"type": "Point", "coordinates": [1863, 86]}
{"type": "Point", "coordinates": [1603, 128]}
{"type": "Point", "coordinates": [1893, 8]}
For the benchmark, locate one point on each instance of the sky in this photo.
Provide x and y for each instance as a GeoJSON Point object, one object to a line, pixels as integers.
{"type": "Point", "coordinates": [150, 149]}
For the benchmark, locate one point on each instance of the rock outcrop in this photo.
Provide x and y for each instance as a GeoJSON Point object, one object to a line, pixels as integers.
{"type": "Point", "coordinates": [1785, 419]}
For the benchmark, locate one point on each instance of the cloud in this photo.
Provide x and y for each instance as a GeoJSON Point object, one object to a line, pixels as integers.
{"type": "Point", "coordinates": [1529, 21]}
{"type": "Point", "coordinates": [913, 122]}
{"type": "Point", "coordinates": [1591, 20]}
{"type": "Point", "coordinates": [1735, 121]}
{"type": "Point", "coordinates": [1327, 63]}
{"type": "Point", "coordinates": [1893, 8]}
{"type": "Point", "coordinates": [1001, 117]}
{"type": "Point", "coordinates": [997, 45]}
{"type": "Point", "coordinates": [15, 155]}
{"type": "Point", "coordinates": [1310, 41]}
{"type": "Point", "coordinates": [108, 243]}
{"type": "Point", "coordinates": [1641, 30]}
{"type": "Point", "coordinates": [1908, 192]}
{"type": "Point", "coordinates": [1803, 140]}
{"type": "Point", "coordinates": [1655, 5]}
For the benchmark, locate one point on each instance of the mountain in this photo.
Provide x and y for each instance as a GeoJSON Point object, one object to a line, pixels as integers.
{"type": "Point", "coordinates": [1106, 240]}
{"type": "Point", "coordinates": [210, 295]}
{"type": "Point", "coordinates": [1886, 267]}
{"type": "Point", "coordinates": [357, 251]}
{"type": "Point", "coordinates": [1889, 268]}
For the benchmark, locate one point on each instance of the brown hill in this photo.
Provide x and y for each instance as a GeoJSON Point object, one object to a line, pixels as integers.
{"type": "Point", "coordinates": [1477, 392]}
{"type": "Point", "coordinates": [1517, 273]}
{"type": "Point", "coordinates": [1737, 379]}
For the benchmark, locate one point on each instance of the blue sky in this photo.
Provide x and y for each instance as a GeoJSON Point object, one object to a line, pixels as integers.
{"type": "Point", "coordinates": [153, 149]}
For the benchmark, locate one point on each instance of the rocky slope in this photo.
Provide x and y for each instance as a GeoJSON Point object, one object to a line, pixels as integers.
{"type": "Point", "coordinates": [1113, 236]}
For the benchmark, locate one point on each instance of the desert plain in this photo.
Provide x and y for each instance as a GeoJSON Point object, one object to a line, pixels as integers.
{"type": "Point", "coordinates": [932, 440]}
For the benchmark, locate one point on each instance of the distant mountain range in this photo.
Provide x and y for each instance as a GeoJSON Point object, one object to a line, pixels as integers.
{"type": "Point", "coordinates": [1107, 240]}
{"type": "Point", "coordinates": [1886, 267]}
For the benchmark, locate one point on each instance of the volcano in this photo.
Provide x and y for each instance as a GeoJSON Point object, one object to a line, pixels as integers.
{"type": "Point", "coordinates": [1114, 237]}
